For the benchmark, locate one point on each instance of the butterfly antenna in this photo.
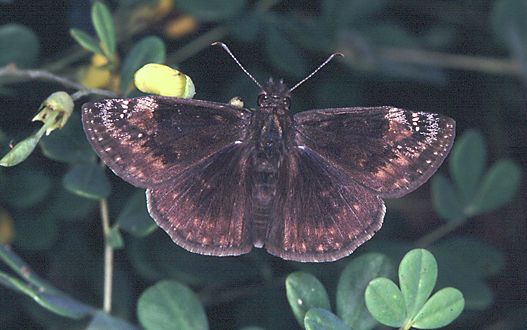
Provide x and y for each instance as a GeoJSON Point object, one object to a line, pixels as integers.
{"type": "Point", "coordinates": [316, 70]}
{"type": "Point", "coordinates": [224, 46]}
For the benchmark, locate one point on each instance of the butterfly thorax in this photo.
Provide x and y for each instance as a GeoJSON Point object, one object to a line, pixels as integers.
{"type": "Point", "coordinates": [272, 124]}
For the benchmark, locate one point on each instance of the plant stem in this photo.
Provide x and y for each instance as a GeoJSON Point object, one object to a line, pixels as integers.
{"type": "Point", "coordinates": [197, 45]}
{"type": "Point", "coordinates": [439, 232]}
{"type": "Point", "coordinates": [11, 70]}
{"type": "Point", "coordinates": [451, 61]}
{"type": "Point", "coordinates": [108, 257]}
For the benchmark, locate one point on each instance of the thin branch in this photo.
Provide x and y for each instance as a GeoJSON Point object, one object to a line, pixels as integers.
{"type": "Point", "coordinates": [440, 232]}
{"type": "Point", "coordinates": [11, 70]}
{"type": "Point", "coordinates": [108, 257]}
{"type": "Point", "coordinates": [197, 45]}
{"type": "Point", "coordinates": [451, 61]}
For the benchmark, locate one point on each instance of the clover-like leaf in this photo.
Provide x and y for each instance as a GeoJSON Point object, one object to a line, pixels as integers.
{"type": "Point", "coordinates": [134, 217]}
{"type": "Point", "coordinates": [352, 284]}
{"type": "Point", "coordinates": [171, 305]}
{"type": "Point", "coordinates": [417, 278]}
{"type": "Point", "coordinates": [498, 186]}
{"type": "Point", "coordinates": [467, 162]}
{"type": "Point", "coordinates": [87, 180]}
{"type": "Point", "coordinates": [322, 319]}
{"type": "Point", "coordinates": [440, 310]}
{"type": "Point", "coordinates": [446, 198]}
{"type": "Point", "coordinates": [19, 44]}
{"type": "Point", "coordinates": [304, 291]}
{"type": "Point", "coordinates": [385, 302]}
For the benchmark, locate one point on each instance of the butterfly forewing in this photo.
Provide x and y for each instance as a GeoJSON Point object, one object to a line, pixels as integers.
{"type": "Point", "coordinates": [391, 151]}
{"type": "Point", "coordinates": [151, 140]}
{"type": "Point", "coordinates": [316, 217]}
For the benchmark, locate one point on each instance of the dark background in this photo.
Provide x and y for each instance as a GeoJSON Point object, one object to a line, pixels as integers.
{"type": "Point", "coordinates": [287, 41]}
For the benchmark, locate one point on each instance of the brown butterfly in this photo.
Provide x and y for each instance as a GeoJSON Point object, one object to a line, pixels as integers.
{"type": "Point", "coordinates": [221, 179]}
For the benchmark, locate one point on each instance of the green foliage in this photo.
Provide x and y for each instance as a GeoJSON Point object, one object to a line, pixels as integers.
{"type": "Point", "coordinates": [19, 45]}
{"type": "Point", "coordinates": [171, 305]}
{"type": "Point", "coordinates": [69, 144]}
{"type": "Point", "coordinates": [211, 10]}
{"type": "Point", "coordinates": [411, 305]}
{"type": "Point", "coordinates": [322, 319]}
{"type": "Point", "coordinates": [304, 292]}
{"type": "Point", "coordinates": [134, 217]}
{"type": "Point", "coordinates": [147, 50]}
{"type": "Point", "coordinates": [87, 180]}
{"type": "Point", "coordinates": [474, 191]}
{"type": "Point", "coordinates": [104, 26]}
{"type": "Point", "coordinates": [353, 281]}
{"type": "Point", "coordinates": [50, 204]}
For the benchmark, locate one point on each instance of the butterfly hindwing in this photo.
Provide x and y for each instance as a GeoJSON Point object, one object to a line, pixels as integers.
{"type": "Point", "coordinates": [205, 209]}
{"type": "Point", "coordinates": [316, 216]}
{"type": "Point", "coordinates": [389, 150]}
{"type": "Point", "coordinates": [149, 140]}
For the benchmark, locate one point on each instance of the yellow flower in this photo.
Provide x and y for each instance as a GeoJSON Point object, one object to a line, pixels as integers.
{"type": "Point", "coordinates": [163, 80]}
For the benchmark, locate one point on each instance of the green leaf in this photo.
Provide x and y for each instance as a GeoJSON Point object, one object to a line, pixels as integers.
{"type": "Point", "coordinates": [385, 302]}
{"type": "Point", "coordinates": [446, 199]}
{"type": "Point", "coordinates": [65, 205]}
{"type": "Point", "coordinates": [68, 144]}
{"type": "Point", "coordinates": [147, 50]}
{"type": "Point", "coordinates": [284, 54]}
{"type": "Point", "coordinates": [305, 291]}
{"type": "Point", "coordinates": [86, 41]}
{"type": "Point", "coordinates": [87, 180]}
{"type": "Point", "coordinates": [322, 319]}
{"type": "Point", "coordinates": [417, 278]}
{"type": "Point", "coordinates": [35, 230]}
{"type": "Point", "coordinates": [467, 162]}
{"type": "Point", "coordinates": [211, 10]}
{"type": "Point", "coordinates": [59, 304]}
{"type": "Point", "coordinates": [352, 284]}
{"type": "Point", "coordinates": [24, 187]}
{"type": "Point", "coordinates": [102, 320]}
{"type": "Point", "coordinates": [134, 217]}
{"type": "Point", "coordinates": [440, 310]}
{"type": "Point", "coordinates": [21, 150]}
{"type": "Point", "coordinates": [470, 255]}
{"type": "Point", "coordinates": [103, 23]}
{"type": "Point", "coordinates": [498, 187]}
{"type": "Point", "coordinates": [184, 266]}
{"type": "Point", "coordinates": [509, 21]}
{"type": "Point", "coordinates": [170, 305]}
{"type": "Point", "coordinates": [19, 45]}
{"type": "Point", "coordinates": [115, 239]}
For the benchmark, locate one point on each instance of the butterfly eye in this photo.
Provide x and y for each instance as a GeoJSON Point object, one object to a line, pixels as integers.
{"type": "Point", "coordinates": [262, 98]}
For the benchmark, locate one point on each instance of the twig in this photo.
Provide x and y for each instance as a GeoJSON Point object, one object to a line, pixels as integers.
{"type": "Point", "coordinates": [108, 256]}
{"type": "Point", "coordinates": [11, 70]}
{"type": "Point", "coordinates": [451, 61]}
{"type": "Point", "coordinates": [197, 44]}
{"type": "Point", "coordinates": [439, 232]}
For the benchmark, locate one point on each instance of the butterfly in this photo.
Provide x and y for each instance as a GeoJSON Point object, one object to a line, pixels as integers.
{"type": "Point", "coordinates": [221, 179]}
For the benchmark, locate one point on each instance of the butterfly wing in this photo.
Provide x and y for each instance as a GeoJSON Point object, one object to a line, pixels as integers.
{"type": "Point", "coordinates": [204, 210]}
{"type": "Point", "coordinates": [316, 216]}
{"type": "Point", "coordinates": [190, 155]}
{"type": "Point", "coordinates": [391, 151]}
{"type": "Point", "coordinates": [150, 140]}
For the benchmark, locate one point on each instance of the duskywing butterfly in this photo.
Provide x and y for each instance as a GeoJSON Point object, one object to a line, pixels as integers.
{"type": "Point", "coordinates": [221, 179]}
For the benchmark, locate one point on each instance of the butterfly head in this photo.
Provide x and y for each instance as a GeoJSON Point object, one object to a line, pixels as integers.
{"type": "Point", "coordinates": [274, 94]}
